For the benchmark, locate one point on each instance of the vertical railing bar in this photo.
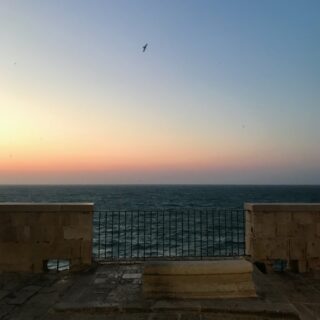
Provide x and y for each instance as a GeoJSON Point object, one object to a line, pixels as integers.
{"type": "Point", "coordinates": [188, 233]}
{"type": "Point", "coordinates": [131, 238]}
{"type": "Point", "coordinates": [176, 216]}
{"type": "Point", "coordinates": [125, 234]}
{"type": "Point", "coordinates": [182, 232]}
{"type": "Point", "coordinates": [170, 233]}
{"type": "Point", "coordinates": [163, 235]}
{"type": "Point", "coordinates": [194, 233]}
{"type": "Point", "coordinates": [105, 234]}
{"type": "Point", "coordinates": [138, 235]}
{"type": "Point", "coordinates": [201, 235]}
{"type": "Point", "coordinates": [157, 224]}
{"type": "Point", "coordinates": [213, 233]}
{"type": "Point", "coordinates": [226, 232]}
{"type": "Point", "coordinates": [237, 221]}
{"type": "Point", "coordinates": [207, 235]}
{"type": "Point", "coordinates": [232, 211]}
{"type": "Point", "coordinates": [112, 229]}
{"type": "Point", "coordinates": [238, 237]}
{"type": "Point", "coordinates": [219, 231]}
{"type": "Point", "coordinates": [244, 231]}
{"type": "Point", "coordinates": [99, 230]}
{"type": "Point", "coordinates": [150, 246]}
{"type": "Point", "coordinates": [144, 234]}
{"type": "Point", "coordinates": [119, 235]}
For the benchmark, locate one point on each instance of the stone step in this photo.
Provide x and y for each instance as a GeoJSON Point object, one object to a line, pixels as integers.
{"type": "Point", "coordinates": [199, 279]}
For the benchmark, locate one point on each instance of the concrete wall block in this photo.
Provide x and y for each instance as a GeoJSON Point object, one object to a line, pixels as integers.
{"type": "Point", "coordinates": [265, 225]}
{"type": "Point", "coordinates": [9, 234]}
{"type": "Point", "coordinates": [46, 233]}
{"type": "Point", "coordinates": [311, 232]}
{"type": "Point", "coordinates": [313, 249]}
{"type": "Point", "coordinates": [302, 266]}
{"type": "Point", "coordinates": [85, 219]}
{"type": "Point", "coordinates": [18, 219]}
{"type": "Point", "coordinates": [86, 252]}
{"type": "Point", "coordinates": [283, 223]}
{"type": "Point", "coordinates": [52, 218]}
{"type": "Point", "coordinates": [75, 249]}
{"type": "Point", "coordinates": [272, 248]}
{"type": "Point", "coordinates": [80, 232]}
{"type": "Point", "coordinates": [318, 229]}
{"type": "Point", "coordinates": [23, 233]}
{"type": "Point", "coordinates": [279, 249]}
{"type": "Point", "coordinates": [47, 251]}
{"type": "Point", "coordinates": [31, 217]}
{"type": "Point", "coordinates": [6, 218]}
{"type": "Point", "coordinates": [303, 218]}
{"type": "Point", "coordinates": [314, 264]}
{"type": "Point", "coordinates": [14, 267]}
{"type": "Point", "coordinates": [15, 253]}
{"type": "Point", "coordinates": [297, 249]}
{"type": "Point", "coordinates": [70, 219]}
{"type": "Point", "coordinates": [260, 249]}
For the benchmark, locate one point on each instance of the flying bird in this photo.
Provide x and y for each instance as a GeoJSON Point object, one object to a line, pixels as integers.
{"type": "Point", "coordinates": [144, 47]}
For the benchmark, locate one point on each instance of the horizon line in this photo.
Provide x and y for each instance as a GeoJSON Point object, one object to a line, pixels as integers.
{"type": "Point", "coordinates": [158, 184]}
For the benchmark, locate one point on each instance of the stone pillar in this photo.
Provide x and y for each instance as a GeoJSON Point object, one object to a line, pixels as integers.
{"type": "Point", "coordinates": [32, 233]}
{"type": "Point", "coordinates": [284, 231]}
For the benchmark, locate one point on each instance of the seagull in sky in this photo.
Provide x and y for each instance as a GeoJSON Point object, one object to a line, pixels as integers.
{"type": "Point", "coordinates": [144, 47]}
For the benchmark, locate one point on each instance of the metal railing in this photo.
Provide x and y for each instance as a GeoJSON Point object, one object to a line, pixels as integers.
{"type": "Point", "coordinates": [168, 234]}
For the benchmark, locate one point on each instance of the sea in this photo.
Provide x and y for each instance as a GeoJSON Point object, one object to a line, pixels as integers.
{"type": "Point", "coordinates": [145, 197]}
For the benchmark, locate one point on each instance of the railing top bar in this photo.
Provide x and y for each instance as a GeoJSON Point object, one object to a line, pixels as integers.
{"type": "Point", "coordinates": [173, 209]}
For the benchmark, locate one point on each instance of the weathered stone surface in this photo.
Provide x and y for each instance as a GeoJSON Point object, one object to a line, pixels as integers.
{"type": "Point", "coordinates": [79, 297]}
{"type": "Point", "coordinates": [33, 233]}
{"type": "Point", "coordinates": [284, 231]}
{"type": "Point", "coordinates": [3, 293]}
{"type": "Point", "coordinates": [23, 295]}
{"type": "Point", "coordinates": [213, 267]}
{"type": "Point", "coordinates": [200, 279]}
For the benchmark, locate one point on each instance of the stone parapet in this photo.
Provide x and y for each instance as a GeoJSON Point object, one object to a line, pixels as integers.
{"type": "Point", "coordinates": [33, 233]}
{"type": "Point", "coordinates": [284, 231]}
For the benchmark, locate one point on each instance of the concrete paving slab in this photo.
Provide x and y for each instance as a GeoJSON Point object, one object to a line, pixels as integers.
{"type": "Point", "coordinates": [4, 293]}
{"type": "Point", "coordinates": [100, 280]}
{"type": "Point", "coordinates": [132, 276]}
{"type": "Point", "coordinates": [5, 309]}
{"type": "Point", "coordinates": [23, 295]}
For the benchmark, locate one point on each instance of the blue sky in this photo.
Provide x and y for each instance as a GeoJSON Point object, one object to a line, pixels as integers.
{"type": "Point", "coordinates": [227, 91]}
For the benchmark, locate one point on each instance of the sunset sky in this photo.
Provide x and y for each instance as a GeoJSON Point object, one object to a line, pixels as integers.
{"type": "Point", "coordinates": [227, 92]}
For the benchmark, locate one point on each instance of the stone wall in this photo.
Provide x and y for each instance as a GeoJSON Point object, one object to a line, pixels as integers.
{"type": "Point", "coordinates": [31, 234]}
{"type": "Point", "coordinates": [289, 232]}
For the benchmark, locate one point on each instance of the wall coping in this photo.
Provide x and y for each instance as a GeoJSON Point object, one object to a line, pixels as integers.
{"type": "Point", "coordinates": [282, 207]}
{"type": "Point", "coordinates": [204, 267]}
{"type": "Point", "coordinates": [46, 207]}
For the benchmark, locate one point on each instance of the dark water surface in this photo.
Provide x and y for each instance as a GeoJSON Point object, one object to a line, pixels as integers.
{"type": "Point", "coordinates": [129, 197]}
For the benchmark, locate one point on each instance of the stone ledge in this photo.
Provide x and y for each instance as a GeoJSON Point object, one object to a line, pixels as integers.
{"type": "Point", "coordinates": [198, 267]}
{"type": "Point", "coordinates": [27, 207]}
{"type": "Point", "coordinates": [282, 207]}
